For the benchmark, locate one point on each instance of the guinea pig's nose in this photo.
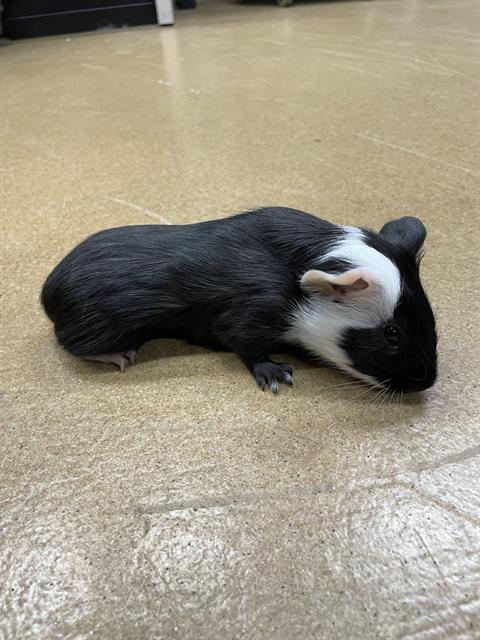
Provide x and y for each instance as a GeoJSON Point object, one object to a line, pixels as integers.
{"type": "Point", "coordinates": [421, 378]}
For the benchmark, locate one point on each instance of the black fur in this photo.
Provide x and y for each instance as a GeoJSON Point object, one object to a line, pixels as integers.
{"type": "Point", "coordinates": [408, 232]}
{"type": "Point", "coordinates": [226, 284]}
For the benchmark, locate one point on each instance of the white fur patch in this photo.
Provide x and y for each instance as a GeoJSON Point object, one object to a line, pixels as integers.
{"type": "Point", "coordinates": [319, 323]}
{"type": "Point", "coordinates": [354, 249]}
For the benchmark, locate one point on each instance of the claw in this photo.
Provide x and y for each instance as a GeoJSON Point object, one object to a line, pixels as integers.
{"type": "Point", "coordinates": [269, 374]}
{"type": "Point", "coordinates": [120, 361]}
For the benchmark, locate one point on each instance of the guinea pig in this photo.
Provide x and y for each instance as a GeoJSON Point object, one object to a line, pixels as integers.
{"type": "Point", "coordinates": [274, 280]}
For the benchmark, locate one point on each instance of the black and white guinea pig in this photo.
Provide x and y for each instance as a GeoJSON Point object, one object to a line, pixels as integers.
{"type": "Point", "coordinates": [274, 280]}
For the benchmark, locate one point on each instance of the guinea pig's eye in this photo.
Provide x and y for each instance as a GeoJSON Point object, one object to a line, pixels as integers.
{"type": "Point", "coordinates": [392, 334]}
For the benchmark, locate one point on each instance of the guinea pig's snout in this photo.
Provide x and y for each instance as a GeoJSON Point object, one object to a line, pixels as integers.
{"type": "Point", "coordinates": [422, 378]}
{"type": "Point", "coordinates": [417, 378]}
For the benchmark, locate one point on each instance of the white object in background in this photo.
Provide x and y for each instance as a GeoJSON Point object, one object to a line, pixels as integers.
{"type": "Point", "coordinates": [165, 12]}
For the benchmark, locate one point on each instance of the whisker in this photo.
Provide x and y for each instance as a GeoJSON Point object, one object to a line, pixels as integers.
{"type": "Point", "coordinates": [345, 385]}
{"type": "Point", "coordinates": [385, 397]}
{"type": "Point", "coordinates": [365, 391]}
{"type": "Point", "coordinates": [372, 387]}
{"type": "Point", "coordinates": [379, 396]}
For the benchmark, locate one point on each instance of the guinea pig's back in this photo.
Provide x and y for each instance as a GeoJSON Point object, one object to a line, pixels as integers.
{"type": "Point", "coordinates": [121, 261]}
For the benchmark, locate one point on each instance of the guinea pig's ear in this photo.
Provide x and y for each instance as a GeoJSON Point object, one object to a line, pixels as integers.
{"type": "Point", "coordinates": [408, 231]}
{"type": "Point", "coordinates": [353, 283]}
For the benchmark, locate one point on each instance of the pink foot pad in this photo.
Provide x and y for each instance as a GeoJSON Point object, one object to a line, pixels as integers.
{"type": "Point", "coordinates": [121, 360]}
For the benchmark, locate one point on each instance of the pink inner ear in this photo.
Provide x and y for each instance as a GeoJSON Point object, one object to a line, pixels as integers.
{"type": "Point", "coordinates": [353, 282]}
{"type": "Point", "coordinates": [347, 285]}
{"type": "Point", "coordinates": [359, 283]}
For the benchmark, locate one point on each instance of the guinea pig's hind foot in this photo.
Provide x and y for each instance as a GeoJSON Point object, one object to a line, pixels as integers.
{"type": "Point", "coordinates": [121, 360]}
{"type": "Point", "coordinates": [269, 374]}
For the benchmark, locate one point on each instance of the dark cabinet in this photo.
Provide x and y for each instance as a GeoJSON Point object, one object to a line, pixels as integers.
{"type": "Point", "coordinates": [29, 18]}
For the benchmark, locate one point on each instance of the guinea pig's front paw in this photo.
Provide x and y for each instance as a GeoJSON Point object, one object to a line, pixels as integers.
{"type": "Point", "coordinates": [269, 374]}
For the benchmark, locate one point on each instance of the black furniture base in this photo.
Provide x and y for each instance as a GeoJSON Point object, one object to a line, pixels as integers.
{"type": "Point", "coordinates": [31, 18]}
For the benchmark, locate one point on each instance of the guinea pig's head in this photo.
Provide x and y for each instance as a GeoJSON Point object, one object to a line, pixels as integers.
{"type": "Point", "coordinates": [366, 311]}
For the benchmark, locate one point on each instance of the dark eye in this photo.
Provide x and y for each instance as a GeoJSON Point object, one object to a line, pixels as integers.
{"type": "Point", "coordinates": [392, 334]}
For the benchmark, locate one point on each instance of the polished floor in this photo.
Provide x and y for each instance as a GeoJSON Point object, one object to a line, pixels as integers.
{"type": "Point", "coordinates": [177, 501]}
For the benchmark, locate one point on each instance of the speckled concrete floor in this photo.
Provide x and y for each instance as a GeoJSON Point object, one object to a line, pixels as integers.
{"type": "Point", "coordinates": [176, 500]}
